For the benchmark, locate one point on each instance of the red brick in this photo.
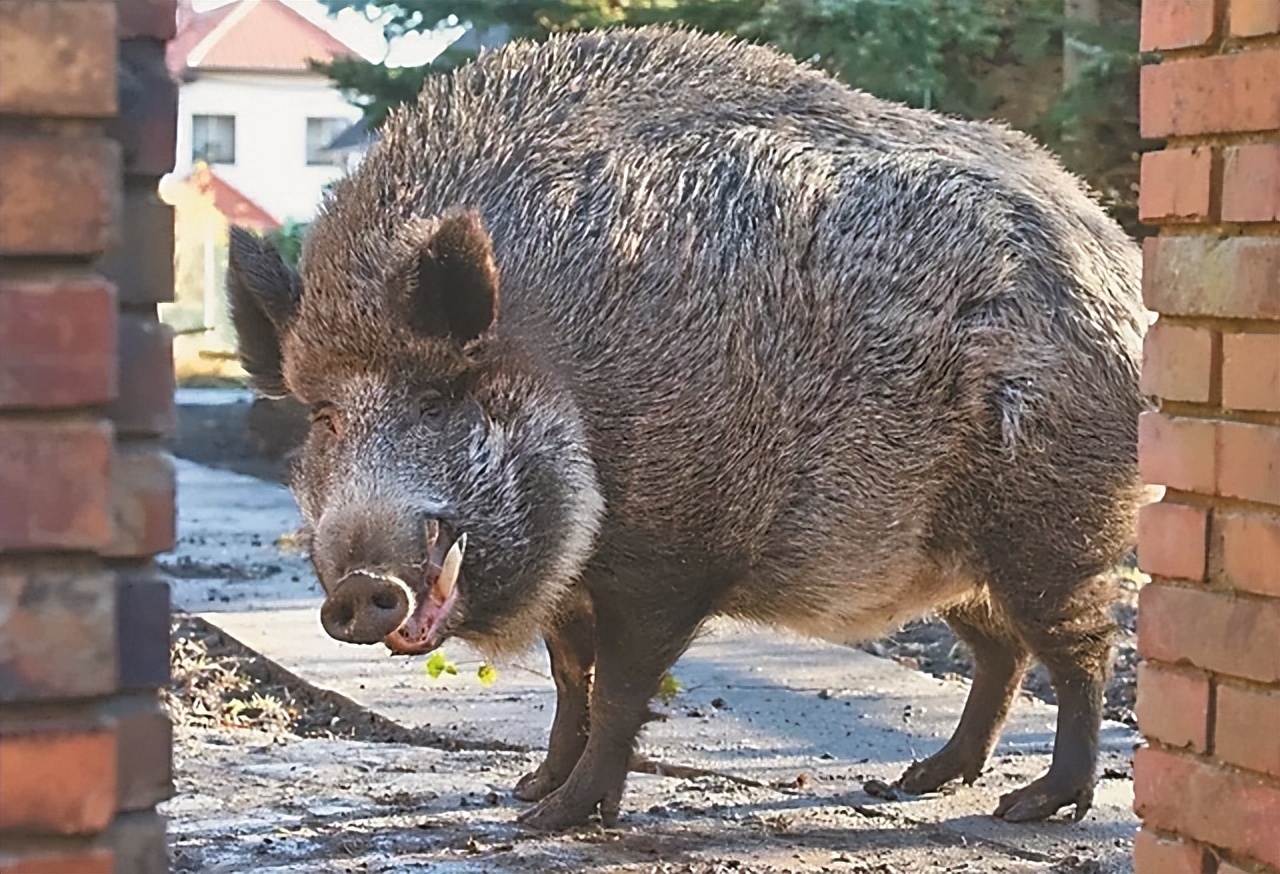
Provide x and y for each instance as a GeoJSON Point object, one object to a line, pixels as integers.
{"type": "Point", "coordinates": [1154, 854]}
{"type": "Point", "coordinates": [142, 265]}
{"type": "Point", "coordinates": [57, 342]}
{"type": "Point", "coordinates": [1254, 17]}
{"type": "Point", "coordinates": [1251, 551]}
{"type": "Point", "coordinates": [58, 195]}
{"type": "Point", "coordinates": [55, 480]}
{"type": "Point", "coordinates": [139, 841]}
{"type": "Point", "coordinates": [41, 609]}
{"type": "Point", "coordinates": [146, 125]}
{"type": "Point", "coordinates": [1173, 706]}
{"type": "Point", "coordinates": [1247, 727]}
{"type": "Point", "coordinates": [143, 486]}
{"type": "Point", "coordinates": [1231, 277]}
{"type": "Point", "coordinates": [142, 629]}
{"type": "Point", "coordinates": [1176, 24]}
{"type": "Point", "coordinates": [144, 406]}
{"type": "Point", "coordinates": [58, 58]}
{"type": "Point", "coordinates": [155, 19]}
{"type": "Point", "coordinates": [1249, 461]}
{"type": "Point", "coordinates": [1177, 452]}
{"type": "Point", "coordinates": [86, 862]}
{"type": "Point", "coordinates": [1218, 94]}
{"type": "Point", "coordinates": [1172, 540]}
{"type": "Point", "coordinates": [58, 782]}
{"type": "Point", "coordinates": [144, 740]}
{"type": "Point", "coordinates": [1234, 811]}
{"type": "Point", "coordinates": [1217, 631]}
{"type": "Point", "coordinates": [1251, 372]}
{"type": "Point", "coordinates": [1251, 182]}
{"type": "Point", "coordinates": [1177, 362]}
{"type": "Point", "coordinates": [1175, 184]}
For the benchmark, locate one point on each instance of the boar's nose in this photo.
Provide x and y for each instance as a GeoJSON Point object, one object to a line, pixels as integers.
{"type": "Point", "coordinates": [364, 608]}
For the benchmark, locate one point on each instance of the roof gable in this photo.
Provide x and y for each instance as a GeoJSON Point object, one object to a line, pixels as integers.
{"type": "Point", "coordinates": [252, 36]}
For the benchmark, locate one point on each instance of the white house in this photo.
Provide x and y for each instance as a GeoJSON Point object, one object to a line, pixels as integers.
{"type": "Point", "coordinates": [251, 108]}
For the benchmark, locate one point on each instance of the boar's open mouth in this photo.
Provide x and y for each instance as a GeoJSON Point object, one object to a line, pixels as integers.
{"type": "Point", "coordinates": [435, 595]}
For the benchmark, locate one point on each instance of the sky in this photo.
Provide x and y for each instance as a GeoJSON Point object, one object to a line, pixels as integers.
{"type": "Point", "coordinates": [363, 35]}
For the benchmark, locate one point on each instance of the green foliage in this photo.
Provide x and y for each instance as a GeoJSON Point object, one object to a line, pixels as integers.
{"type": "Point", "coordinates": [975, 58]}
{"type": "Point", "coordinates": [288, 240]}
{"type": "Point", "coordinates": [669, 688]}
{"type": "Point", "coordinates": [438, 664]}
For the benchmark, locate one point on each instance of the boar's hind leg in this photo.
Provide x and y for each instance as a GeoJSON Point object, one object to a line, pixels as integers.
{"type": "Point", "coordinates": [999, 661]}
{"type": "Point", "coordinates": [1072, 636]}
{"type": "Point", "coordinates": [572, 645]}
{"type": "Point", "coordinates": [640, 632]}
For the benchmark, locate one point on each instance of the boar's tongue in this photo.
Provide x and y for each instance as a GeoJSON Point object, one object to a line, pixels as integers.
{"type": "Point", "coordinates": [421, 631]}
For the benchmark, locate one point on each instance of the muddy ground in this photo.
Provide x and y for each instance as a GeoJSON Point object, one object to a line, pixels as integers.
{"type": "Point", "coordinates": [274, 775]}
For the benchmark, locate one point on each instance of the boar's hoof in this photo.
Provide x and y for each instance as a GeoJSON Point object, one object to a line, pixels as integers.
{"type": "Point", "coordinates": [364, 608]}
{"type": "Point", "coordinates": [1045, 797]}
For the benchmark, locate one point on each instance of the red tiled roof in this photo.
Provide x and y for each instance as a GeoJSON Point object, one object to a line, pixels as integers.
{"type": "Point", "coordinates": [231, 202]}
{"type": "Point", "coordinates": [251, 35]}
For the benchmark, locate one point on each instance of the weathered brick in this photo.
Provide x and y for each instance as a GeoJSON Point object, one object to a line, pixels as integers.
{"type": "Point", "coordinates": [142, 266]}
{"type": "Point", "coordinates": [1173, 706]}
{"type": "Point", "coordinates": [1251, 551]}
{"type": "Point", "coordinates": [142, 629]}
{"type": "Point", "coordinates": [143, 488]}
{"type": "Point", "coordinates": [1172, 540]}
{"type": "Point", "coordinates": [1251, 182]}
{"type": "Point", "coordinates": [57, 342]}
{"type": "Point", "coordinates": [1174, 184]}
{"type": "Point", "coordinates": [154, 19]}
{"type": "Point", "coordinates": [1226, 809]}
{"type": "Point", "coordinates": [1154, 854]}
{"type": "Point", "coordinates": [1251, 372]}
{"type": "Point", "coordinates": [1247, 727]}
{"type": "Point", "coordinates": [1254, 17]}
{"type": "Point", "coordinates": [1177, 362]}
{"type": "Point", "coordinates": [146, 125]}
{"type": "Point", "coordinates": [1177, 452]}
{"type": "Point", "coordinates": [139, 841]}
{"type": "Point", "coordinates": [54, 477]}
{"type": "Point", "coordinates": [43, 610]}
{"type": "Point", "coordinates": [75, 862]}
{"type": "Point", "coordinates": [144, 740]}
{"type": "Point", "coordinates": [144, 406]}
{"type": "Point", "coordinates": [59, 59]}
{"type": "Point", "coordinates": [1218, 94]}
{"type": "Point", "coordinates": [1176, 24]}
{"type": "Point", "coordinates": [58, 195]}
{"type": "Point", "coordinates": [58, 782]}
{"type": "Point", "coordinates": [1217, 631]}
{"type": "Point", "coordinates": [1231, 277]}
{"type": "Point", "coordinates": [1249, 461]}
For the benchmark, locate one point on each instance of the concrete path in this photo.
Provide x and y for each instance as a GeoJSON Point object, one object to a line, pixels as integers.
{"type": "Point", "coordinates": [755, 704]}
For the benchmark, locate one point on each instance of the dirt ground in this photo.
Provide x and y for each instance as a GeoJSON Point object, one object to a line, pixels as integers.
{"type": "Point", "coordinates": [274, 775]}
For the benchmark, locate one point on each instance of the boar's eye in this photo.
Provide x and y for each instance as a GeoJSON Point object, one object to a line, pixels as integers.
{"type": "Point", "coordinates": [326, 416]}
{"type": "Point", "coordinates": [431, 405]}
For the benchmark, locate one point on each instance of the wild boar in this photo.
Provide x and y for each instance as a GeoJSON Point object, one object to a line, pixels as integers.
{"type": "Point", "coordinates": [617, 332]}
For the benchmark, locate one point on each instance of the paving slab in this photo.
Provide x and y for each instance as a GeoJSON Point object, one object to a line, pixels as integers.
{"type": "Point", "coordinates": [755, 704]}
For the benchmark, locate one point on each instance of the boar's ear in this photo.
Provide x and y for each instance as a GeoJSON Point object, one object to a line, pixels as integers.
{"type": "Point", "coordinates": [454, 286]}
{"type": "Point", "coordinates": [264, 296]}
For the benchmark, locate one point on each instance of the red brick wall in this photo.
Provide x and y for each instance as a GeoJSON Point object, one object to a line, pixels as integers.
{"type": "Point", "coordinates": [87, 119]}
{"type": "Point", "coordinates": [1207, 783]}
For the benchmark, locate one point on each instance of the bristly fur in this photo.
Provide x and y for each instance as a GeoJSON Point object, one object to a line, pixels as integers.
{"type": "Point", "coordinates": [764, 345]}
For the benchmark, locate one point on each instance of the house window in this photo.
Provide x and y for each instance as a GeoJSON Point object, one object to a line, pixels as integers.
{"type": "Point", "coordinates": [213, 138]}
{"type": "Point", "coordinates": [321, 132]}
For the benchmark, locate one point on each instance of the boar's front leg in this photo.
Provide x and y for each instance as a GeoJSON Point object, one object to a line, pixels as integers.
{"type": "Point", "coordinates": [572, 645]}
{"type": "Point", "coordinates": [640, 632]}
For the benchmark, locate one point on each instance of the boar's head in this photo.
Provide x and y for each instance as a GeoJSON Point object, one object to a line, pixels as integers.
{"type": "Point", "coordinates": [446, 479]}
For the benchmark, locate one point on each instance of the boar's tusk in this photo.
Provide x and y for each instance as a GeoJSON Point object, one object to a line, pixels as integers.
{"type": "Point", "coordinates": [449, 570]}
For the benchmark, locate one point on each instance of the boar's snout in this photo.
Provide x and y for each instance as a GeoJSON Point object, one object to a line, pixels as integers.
{"type": "Point", "coordinates": [364, 609]}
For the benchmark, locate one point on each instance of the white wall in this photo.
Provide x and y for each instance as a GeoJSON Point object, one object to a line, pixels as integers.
{"type": "Point", "coordinates": [271, 114]}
